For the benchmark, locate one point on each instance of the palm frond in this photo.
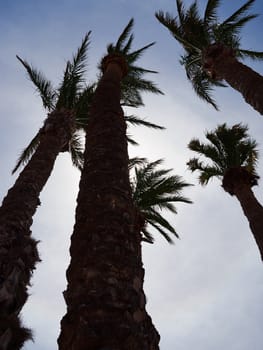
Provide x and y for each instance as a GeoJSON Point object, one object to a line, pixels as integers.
{"type": "Point", "coordinates": [206, 171]}
{"type": "Point", "coordinates": [209, 173]}
{"type": "Point", "coordinates": [207, 150]}
{"type": "Point", "coordinates": [83, 104]}
{"type": "Point", "coordinates": [154, 190]}
{"type": "Point", "coordinates": [192, 12]}
{"type": "Point", "coordinates": [73, 79]}
{"type": "Point", "coordinates": [180, 10]}
{"type": "Point", "coordinates": [133, 85]}
{"type": "Point", "coordinates": [76, 150]}
{"type": "Point", "coordinates": [44, 86]}
{"type": "Point", "coordinates": [147, 236]}
{"type": "Point", "coordinates": [238, 13]}
{"type": "Point", "coordinates": [160, 224]}
{"type": "Point", "coordinates": [170, 23]}
{"type": "Point", "coordinates": [127, 47]}
{"type": "Point", "coordinates": [210, 15]}
{"type": "Point", "coordinates": [203, 87]}
{"type": "Point", "coordinates": [131, 141]}
{"type": "Point", "coordinates": [135, 55]}
{"type": "Point", "coordinates": [254, 55]}
{"type": "Point", "coordinates": [136, 161]}
{"type": "Point", "coordinates": [120, 44]}
{"type": "Point", "coordinates": [235, 27]}
{"type": "Point", "coordinates": [134, 120]}
{"type": "Point", "coordinates": [27, 153]}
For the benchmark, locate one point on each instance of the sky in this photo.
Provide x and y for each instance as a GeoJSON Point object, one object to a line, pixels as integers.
{"type": "Point", "coordinates": [203, 292]}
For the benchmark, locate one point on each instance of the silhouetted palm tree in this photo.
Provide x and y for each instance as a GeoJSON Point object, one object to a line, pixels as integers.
{"type": "Point", "coordinates": [212, 50]}
{"type": "Point", "coordinates": [104, 297]}
{"type": "Point", "coordinates": [68, 107]}
{"type": "Point", "coordinates": [154, 190]}
{"type": "Point", "coordinates": [234, 156]}
{"type": "Point", "coordinates": [18, 251]}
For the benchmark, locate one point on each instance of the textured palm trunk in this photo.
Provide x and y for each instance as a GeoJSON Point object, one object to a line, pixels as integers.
{"type": "Point", "coordinates": [253, 210]}
{"type": "Point", "coordinates": [238, 181]}
{"type": "Point", "coordinates": [104, 297]}
{"type": "Point", "coordinates": [18, 250]}
{"type": "Point", "coordinates": [220, 62]}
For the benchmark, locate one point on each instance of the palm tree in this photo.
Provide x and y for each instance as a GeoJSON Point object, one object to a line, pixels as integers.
{"type": "Point", "coordinates": [155, 190]}
{"type": "Point", "coordinates": [234, 156]}
{"type": "Point", "coordinates": [104, 297]}
{"type": "Point", "coordinates": [18, 250]}
{"type": "Point", "coordinates": [68, 113]}
{"type": "Point", "coordinates": [212, 50]}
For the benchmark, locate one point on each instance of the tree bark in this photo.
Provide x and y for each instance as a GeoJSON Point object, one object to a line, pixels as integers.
{"type": "Point", "coordinates": [253, 210]}
{"type": "Point", "coordinates": [104, 297]}
{"type": "Point", "coordinates": [220, 63]}
{"type": "Point", "coordinates": [18, 250]}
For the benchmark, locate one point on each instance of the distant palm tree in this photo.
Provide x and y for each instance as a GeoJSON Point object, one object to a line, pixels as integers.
{"type": "Point", "coordinates": [155, 190]}
{"type": "Point", "coordinates": [234, 156]}
{"type": "Point", "coordinates": [18, 251]}
{"type": "Point", "coordinates": [104, 297]}
{"type": "Point", "coordinates": [212, 50]}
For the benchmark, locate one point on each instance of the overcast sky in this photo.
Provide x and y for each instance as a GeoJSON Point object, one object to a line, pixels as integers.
{"type": "Point", "coordinates": [205, 292]}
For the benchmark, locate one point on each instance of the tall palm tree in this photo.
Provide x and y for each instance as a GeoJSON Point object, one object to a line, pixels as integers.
{"type": "Point", "coordinates": [68, 113]}
{"type": "Point", "coordinates": [155, 190]}
{"type": "Point", "coordinates": [18, 250]}
{"type": "Point", "coordinates": [212, 50]}
{"type": "Point", "coordinates": [104, 297]}
{"type": "Point", "coordinates": [234, 156]}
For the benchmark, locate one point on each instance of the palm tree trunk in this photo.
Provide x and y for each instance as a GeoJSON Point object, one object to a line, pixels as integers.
{"type": "Point", "coordinates": [223, 65]}
{"type": "Point", "coordinates": [253, 210]}
{"type": "Point", "coordinates": [104, 297]}
{"type": "Point", "coordinates": [18, 250]}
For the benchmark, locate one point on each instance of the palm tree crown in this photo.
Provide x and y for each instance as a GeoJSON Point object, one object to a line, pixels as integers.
{"type": "Point", "coordinates": [71, 95]}
{"type": "Point", "coordinates": [154, 190]}
{"type": "Point", "coordinates": [198, 33]}
{"type": "Point", "coordinates": [228, 148]}
{"type": "Point", "coordinates": [134, 83]}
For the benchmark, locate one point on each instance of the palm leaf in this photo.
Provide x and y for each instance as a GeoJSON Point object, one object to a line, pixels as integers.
{"type": "Point", "coordinates": [254, 55]}
{"type": "Point", "coordinates": [44, 86]}
{"type": "Point", "coordinates": [202, 86]}
{"type": "Point", "coordinates": [120, 44]}
{"type": "Point", "coordinates": [154, 190]}
{"type": "Point", "coordinates": [135, 55]}
{"type": "Point", "coordinates": [27, 153]}
{"type": "Point", "coordinates": [76, 149]}
{"type": "Point", "coordinates": [180, 10]}
{"type": "Point", "coordinates": [83, 104]}
{"type": "Point", "coordinates": [238, 13]}
{"type": "Point", "coordinates": [235, 27]}
{"type": "Point", "coordinates": [170, 23]}
{"type": "Point", "coordinates": [210, 15]}
{"type": "Point", "coordinates": [73, 79]}
{"type": "Point", "coordinates": [209, 173]}
{"type": "Point", "coordinates": [147, 236]}
{"type": "Point", "coordinates": [136, 161]}
{"type": "Point", "coordinates": [158, 222]}
{"type": "Point", "coordinates": [134, 120]}
{"type": "Point", "coordinates": [131, 141]}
